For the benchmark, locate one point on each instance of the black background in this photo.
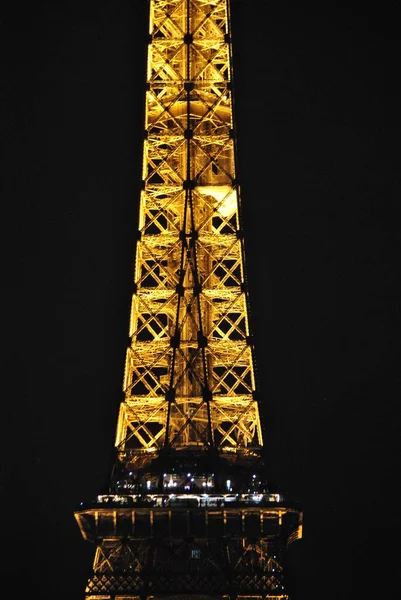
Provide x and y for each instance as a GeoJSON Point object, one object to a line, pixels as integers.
{"type": "Point", "coordinates": [318, 120]}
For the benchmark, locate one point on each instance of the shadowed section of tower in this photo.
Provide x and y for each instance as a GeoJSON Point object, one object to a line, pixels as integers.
{"type": "Point", "coordinates": [188, 511]}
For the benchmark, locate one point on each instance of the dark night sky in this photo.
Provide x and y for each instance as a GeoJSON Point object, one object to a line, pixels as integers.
{"type": "Point", "coordinates": [318, 116]}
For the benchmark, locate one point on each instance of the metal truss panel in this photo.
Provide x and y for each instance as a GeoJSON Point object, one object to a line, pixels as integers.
{"type": "Point", "coordinates": [189, 515]}
{"type": "Point", "coordinates": [189, 324]}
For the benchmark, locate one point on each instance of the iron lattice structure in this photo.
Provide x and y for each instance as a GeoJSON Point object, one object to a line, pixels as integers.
{"type": "Point", "coordinates": [188, 512]}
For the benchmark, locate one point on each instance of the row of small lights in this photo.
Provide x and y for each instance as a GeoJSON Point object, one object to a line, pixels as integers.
{"type": "Point", "coordinates": [172, 483]}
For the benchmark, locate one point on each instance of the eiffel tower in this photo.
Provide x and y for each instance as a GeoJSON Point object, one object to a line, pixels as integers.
{"type": "Point", "coordinates": [188, 513]}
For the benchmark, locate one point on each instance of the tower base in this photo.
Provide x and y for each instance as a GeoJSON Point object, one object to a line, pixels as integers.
{"type": "Point", "coordinates": [231, 552]}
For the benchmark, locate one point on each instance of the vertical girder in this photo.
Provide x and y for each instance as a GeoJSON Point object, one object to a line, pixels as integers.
{"type": "Point", "coordinates": [188, 515]}
{"type": "Point", "coordinates": [189, 375]}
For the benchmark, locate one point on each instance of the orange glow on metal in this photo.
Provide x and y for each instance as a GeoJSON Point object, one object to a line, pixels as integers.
{"type": "Point", "coordinates": [189, 373]}
{"type": "Point", "coordinates": [189, 380]}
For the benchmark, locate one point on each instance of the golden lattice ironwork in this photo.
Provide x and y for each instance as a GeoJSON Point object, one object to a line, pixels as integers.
{"type": "Point", "coordinates": [188, 513]}
{"type": "Point", "coordinates": [189, 375]}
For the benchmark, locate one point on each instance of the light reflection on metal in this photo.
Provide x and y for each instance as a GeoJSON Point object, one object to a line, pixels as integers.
{"type": "Point", "coordinates": [189, 374]}
{"type": "Point", "coordinates": [189, 513]}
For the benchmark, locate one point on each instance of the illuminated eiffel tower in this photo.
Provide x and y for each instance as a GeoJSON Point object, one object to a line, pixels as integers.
{"type": "Point", "coordinates": [188, 513]}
